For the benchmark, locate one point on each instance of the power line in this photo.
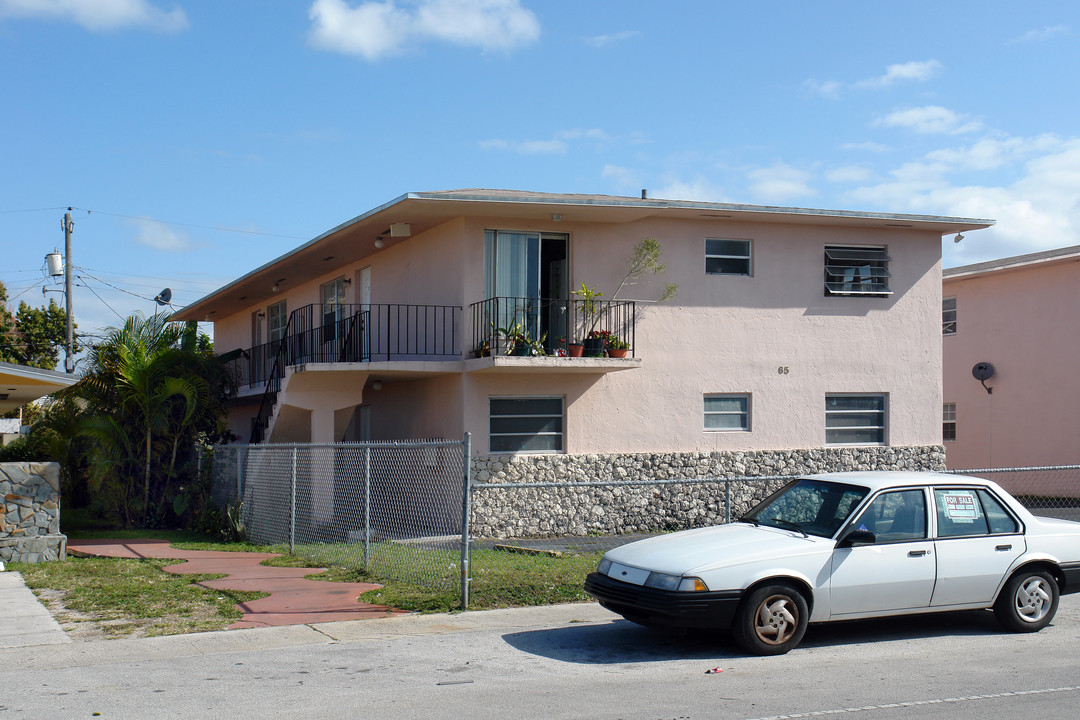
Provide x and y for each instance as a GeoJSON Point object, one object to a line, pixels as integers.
{"type": "Point", "coordinates": [114, 287]}
{"type": "Point", "coordinates": [103, 302]}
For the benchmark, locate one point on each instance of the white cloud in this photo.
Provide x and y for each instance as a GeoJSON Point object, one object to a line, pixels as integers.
{"type": "Point", "coordinates": [623, 176]}
{"type": "Point", "coordinates": [1038, 210]}
{"type": "Point", "coordinates": [930, 119]}
{"type": "Point", "coordinates": [159, 236]}
{"type": "Point", "coordinates": [699, 189]}
{"type": "Point", "coordinates": [828, 88]}
{"type": "Point", "coordinates": [916, 71]}
{"type": "Point", "coordinates": [99, 15]}
{"type": "Point", "coordinates": [849, 174]}
{"type": "Point", "coordinates": [375, 29]}
{"type": "Point", "coordinates": [1041, 35]}
{"type": "Point", "coordinates": [869, 146]}
{"type": "Point", "coordinates": [599, 41]}
{"type": "Point", "coordinates": [560, 143]}
{"type": "Point", "coordinates": [779, 183]}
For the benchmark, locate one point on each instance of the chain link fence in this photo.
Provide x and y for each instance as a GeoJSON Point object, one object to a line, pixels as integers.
{"type": "Point", "coordinates": [397, 511]}
{"type": "Point", "coordinates": [1052, 491]}
{"type": "Point", "coordinates": [392, 510]}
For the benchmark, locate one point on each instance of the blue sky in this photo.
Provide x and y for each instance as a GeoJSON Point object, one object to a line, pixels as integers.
{"type": "Point", "coordinates": [199, 139]}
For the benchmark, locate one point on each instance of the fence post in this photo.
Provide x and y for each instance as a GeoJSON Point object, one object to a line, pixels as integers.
{"type": "Point", "coordinates": [292, 507]}
{"type": "Point", "coordinates": [727, 500]}
{"type": "Point", "coordinates": [239, 474]}
{"type": "Point", "coordinates": [367, 505]}
{"type": "Point", "coordinates": [466, 508]}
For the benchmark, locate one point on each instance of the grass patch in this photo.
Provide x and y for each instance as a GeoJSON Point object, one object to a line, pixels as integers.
{"type": "Point", "coordinates": [136, 596]}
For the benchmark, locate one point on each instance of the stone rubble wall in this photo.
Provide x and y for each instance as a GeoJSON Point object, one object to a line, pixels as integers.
{"type": "Point", "coordinates": [30, 513]}
{"type": "Point", "coordinates": [620, 509]}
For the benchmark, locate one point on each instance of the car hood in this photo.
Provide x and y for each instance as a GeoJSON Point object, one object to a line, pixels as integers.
{"type": "Point", "coordinates": [694, 551]}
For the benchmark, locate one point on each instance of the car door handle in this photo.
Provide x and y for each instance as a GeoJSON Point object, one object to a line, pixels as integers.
{"type": "Point", "coordinates": [1003, 548]}
{"type": "Point", "coordinates": [917, 553]}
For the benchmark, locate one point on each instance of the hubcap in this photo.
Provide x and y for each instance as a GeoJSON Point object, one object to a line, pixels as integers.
{"type": "Point", "coordinates": [777, 619]}
{"type": "Point", "coordinates": [1032, 599]}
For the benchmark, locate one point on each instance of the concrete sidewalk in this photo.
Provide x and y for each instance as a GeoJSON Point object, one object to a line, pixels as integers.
{"type": "Point", "coordinates": [23, 620]}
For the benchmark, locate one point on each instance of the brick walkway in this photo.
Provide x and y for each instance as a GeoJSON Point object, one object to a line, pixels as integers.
{"type": "Point", "coordinates": [293, 599]}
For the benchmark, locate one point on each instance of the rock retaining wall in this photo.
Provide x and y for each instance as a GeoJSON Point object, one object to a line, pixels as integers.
{"type": "Point", "coordinates": [613, 508]}
{"type": "Point", "coordinates": [30, 513]}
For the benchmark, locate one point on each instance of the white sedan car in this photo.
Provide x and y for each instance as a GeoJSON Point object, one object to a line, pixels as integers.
{"type": "Point", "coordinates": [844, 546]}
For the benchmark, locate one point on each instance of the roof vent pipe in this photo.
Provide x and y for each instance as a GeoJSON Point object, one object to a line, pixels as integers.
{"type": "Point", "coordinates": [644, 194]}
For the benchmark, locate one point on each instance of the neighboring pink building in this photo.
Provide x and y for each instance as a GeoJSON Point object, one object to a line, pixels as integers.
{"type": "Point", "coordinates": [1020, 315]}
{"type": "Point", "coordinates": [798, 337]}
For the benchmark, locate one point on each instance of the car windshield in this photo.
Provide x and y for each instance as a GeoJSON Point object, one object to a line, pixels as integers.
{"type": "Point", "coordinates": [815, 507]}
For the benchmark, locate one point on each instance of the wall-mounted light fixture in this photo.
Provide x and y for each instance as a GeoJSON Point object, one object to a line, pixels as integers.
{"type": "Point", "coordinates": [376, 385]}
{"type": "Point", "coordinates": [348, 281]}
{"type": "Point", "coordinates": [379, 243]}
{"type": "Point", "coordinates": [958, 238]}
{"type": "Point", "coordinates": [261, 314]}
{"type": "Point", "coordinates": [275, 288]}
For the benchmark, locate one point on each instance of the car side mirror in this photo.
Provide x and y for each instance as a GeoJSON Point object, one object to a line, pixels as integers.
{"type": "Point", "coordinates": [856, 537]}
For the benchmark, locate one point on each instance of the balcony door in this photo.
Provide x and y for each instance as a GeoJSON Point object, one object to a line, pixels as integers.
{"type": "Point", "coordinates": [527, 275]}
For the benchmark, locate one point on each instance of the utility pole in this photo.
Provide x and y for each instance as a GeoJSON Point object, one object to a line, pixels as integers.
{"type": "Point", "coordinates": [69, 361]}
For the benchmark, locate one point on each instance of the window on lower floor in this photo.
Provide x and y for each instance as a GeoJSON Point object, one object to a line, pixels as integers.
{"type": "Point", "coordinates": [727, 412]}
{"type": "Point", "coordinates": [856, 270]}
{"type": "Point", "coordinates": [948, 316]}
{"type": "Point", "coordinates": [948, 422]}
{"type": "Point", "coordinates": [727, 257]}
{"type": "Point", "coordinates": [855, 419]}
{"type": "Point", "coordinates": [526, 424]}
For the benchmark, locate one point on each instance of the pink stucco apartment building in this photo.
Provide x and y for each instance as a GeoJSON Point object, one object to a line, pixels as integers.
{"type": "Point", "coordinates": [1017, 315]}
{"type": "Point", "coordinates": [798, 340]}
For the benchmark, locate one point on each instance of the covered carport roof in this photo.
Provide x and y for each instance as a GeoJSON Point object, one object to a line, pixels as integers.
{"type": "Point", "coordinates": [353, 240]}
{"type": "Point", "coordinates": [20, 384]}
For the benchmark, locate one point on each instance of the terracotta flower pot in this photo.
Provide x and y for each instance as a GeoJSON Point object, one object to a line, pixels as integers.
{"type": "Point", "coordinates": [617, 353]}
{"type": "Point", "coordinates": [576, 349]}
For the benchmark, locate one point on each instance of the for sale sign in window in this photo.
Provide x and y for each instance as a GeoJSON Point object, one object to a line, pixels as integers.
{"type": "Point", "coordinates": [960, 506]}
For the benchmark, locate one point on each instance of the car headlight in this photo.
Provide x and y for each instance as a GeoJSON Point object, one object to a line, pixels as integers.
{"type": "Point", "coordinates": [604, 566]}
{"type": "Point", "coordinates": [664, 581]}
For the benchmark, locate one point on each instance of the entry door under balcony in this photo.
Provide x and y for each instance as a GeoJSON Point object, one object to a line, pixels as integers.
{"type": "Point", "coordinates": [533, 270]}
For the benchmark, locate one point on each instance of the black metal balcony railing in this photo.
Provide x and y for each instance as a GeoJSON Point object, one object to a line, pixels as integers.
{"type": "Point", "coordinates": [322, 333]}
{"type": "Point", "coordinates": [549, 323]}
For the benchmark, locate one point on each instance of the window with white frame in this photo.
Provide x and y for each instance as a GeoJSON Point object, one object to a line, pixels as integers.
{"type": "Point", "coordinates": [948, 422]}
{"type": "Point", "coordinates": [857, 270]}
{"type": "Point", "coordinates": [855, 419]}
{"type": "Point", "coordinates": [727, 257]}
{"type": "Point", "coordinates": [948, 316]}
{"type": "Point", "coordinates": [276, 320]}
{"type": "Point", "coordinates": [728, 412]}
{"type": "Point", "coordinates": [526, 424]}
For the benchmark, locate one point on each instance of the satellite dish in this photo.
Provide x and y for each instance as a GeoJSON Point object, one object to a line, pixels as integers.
{"type": "Point", "coordinates": [982, 372]}
{"type": "Point", "coordinates": [163, 297]}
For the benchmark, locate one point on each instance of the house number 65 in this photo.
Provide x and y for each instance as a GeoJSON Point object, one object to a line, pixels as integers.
{"type": "Point", "coordinates": [783, 370]}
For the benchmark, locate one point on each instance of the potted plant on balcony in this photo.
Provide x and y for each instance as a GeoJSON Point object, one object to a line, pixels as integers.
{"type": "Point", "coordinates": [592, 344]}
{"type": "Point", "coordinates": [616, 348]}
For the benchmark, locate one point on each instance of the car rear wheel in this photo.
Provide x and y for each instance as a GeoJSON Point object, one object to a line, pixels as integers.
{"type": "Point", "coordinates": [772, 621]}
{"type": "Point", "coordinates": [1028, 601]}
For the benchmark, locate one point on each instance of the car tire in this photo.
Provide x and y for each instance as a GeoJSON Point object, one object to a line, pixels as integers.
{"type": "Point", "coordinates": [1028, 601]}
{"type": "Point", "coordinates": [771, 621]}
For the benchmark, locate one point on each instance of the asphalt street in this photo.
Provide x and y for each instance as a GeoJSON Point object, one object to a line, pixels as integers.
{"type": "Point", "coordinates": [569, 661]}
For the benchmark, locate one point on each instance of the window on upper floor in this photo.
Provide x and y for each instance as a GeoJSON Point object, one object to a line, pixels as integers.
{"type": "Point", "coordinates": [727, 257]}
{"type": "Point", "coordinates": [948, 422]}
{"type": "Point", "coordinates": [727, 412]}
{"type": "Point", "coordinates": [855, 419]}
{"type": "Point", "coordinates": [276, 320]}
{"type": "Point", "coordinates": [857, 270]}
{"type": "Point", "coordinates": [948, 316]}
{"type": "Point", "coordinates": [526, 424]}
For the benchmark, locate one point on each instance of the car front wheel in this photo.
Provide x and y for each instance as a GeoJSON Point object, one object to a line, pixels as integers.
{"type": "Point", "coordinates": [772, 621]}
{"type": "Point", "coordinates": [1028, 601]}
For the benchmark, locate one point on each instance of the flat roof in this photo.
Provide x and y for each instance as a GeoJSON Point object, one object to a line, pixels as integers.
{"type": "Point", "coordinates": [354, 239]}
{"type": "Point", "coordinates": [20, 384]}
{"type": "Point", "coordinates": [1016, 261]}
